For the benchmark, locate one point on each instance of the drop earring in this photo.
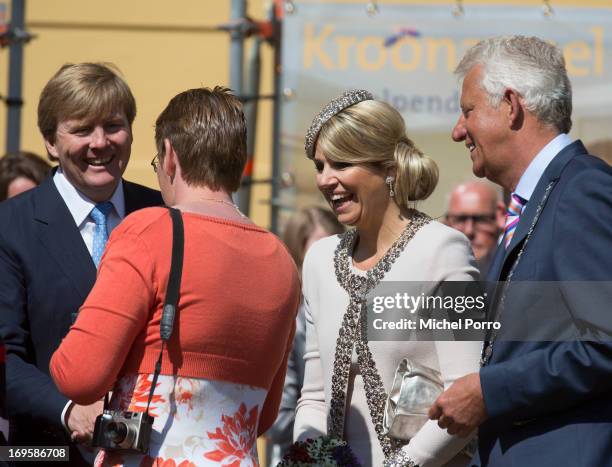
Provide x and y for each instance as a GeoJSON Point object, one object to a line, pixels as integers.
{"type": "Point", "coordinates": [389, 181]}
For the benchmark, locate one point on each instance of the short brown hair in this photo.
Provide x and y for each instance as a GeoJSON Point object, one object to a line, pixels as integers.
{"type": "Point", "coordinates": [207, 129]}
{"type": "Point", "coordinates": [21, 164]}
{"type": "Point", "coordinates": [81, 91]}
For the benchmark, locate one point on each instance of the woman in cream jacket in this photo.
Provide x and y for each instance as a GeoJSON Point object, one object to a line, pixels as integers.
{"type": "Point", "coordinates": [371, 174]}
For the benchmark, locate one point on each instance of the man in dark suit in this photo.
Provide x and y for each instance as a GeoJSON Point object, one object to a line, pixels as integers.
{"type": "Point", "coordinates": [542, 396]}
{"type": "Point", "coordinates": [51, 241]}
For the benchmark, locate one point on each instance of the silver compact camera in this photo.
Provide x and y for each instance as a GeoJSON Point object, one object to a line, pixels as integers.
{"type": "Point", "coordinates": [128, 431]}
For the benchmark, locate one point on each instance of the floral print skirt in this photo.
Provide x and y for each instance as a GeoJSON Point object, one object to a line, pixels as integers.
{"type": "Point", "coordinates": [197, 422]}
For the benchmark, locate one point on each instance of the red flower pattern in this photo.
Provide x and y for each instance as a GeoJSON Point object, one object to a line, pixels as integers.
{"type": "Point", "coordinates": [148, 461]}
{"type": "Point", "coordinates": [140, 396]}
{"type": "Point", "coordinates": [109, 459]}
{"type": "Point", "coordinates": [236, 438]}
{"type": "Point", "coordinates": [184, 394]}
{"type": "Point", "coordinates": [231, 444]}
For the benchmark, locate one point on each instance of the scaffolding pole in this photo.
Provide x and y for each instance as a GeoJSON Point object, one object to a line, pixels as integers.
{"type": "Point", "coordinates": [250, 111]}
{"type": "Point", "coordinates": [275, 202]}
{"type": "Point", "coordinates": [237, 17]}
{"type": "Point", "coordinates": [14, 100]}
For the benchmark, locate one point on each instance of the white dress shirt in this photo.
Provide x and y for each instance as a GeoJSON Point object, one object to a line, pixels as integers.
{"type": "Point", "coordinates": [536, 168]}
{"type": "Point", "coordinates": [80, 207]}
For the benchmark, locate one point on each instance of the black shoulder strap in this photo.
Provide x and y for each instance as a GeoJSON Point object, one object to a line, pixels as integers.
{"type": "Point", "coordinates": [176, 271]}
{"type": "Point", "coordinates": [172, 292]}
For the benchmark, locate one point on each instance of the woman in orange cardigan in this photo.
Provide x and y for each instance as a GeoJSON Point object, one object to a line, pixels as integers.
{"type": "Point", "coordinates": [223, 370]}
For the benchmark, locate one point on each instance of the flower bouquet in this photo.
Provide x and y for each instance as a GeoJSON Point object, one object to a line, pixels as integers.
{"type": "Point", "coordinates": [324, 451]}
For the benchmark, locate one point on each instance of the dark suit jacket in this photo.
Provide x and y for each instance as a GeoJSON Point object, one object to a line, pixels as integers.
{"type": "Point", "coordinates": [46, 273]}
{"type": "Point", "coordinates": [549, 402]}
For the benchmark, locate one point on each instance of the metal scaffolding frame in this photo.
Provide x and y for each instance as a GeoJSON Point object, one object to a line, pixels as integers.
{"type": "Point", "coordinates": [270, 31]}
{"type": "Point", "coordinates": [14, 37]}
{"type": "Point", "coordinates": [240, 28]}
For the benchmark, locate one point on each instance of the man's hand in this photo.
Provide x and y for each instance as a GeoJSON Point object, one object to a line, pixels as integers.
{"type": "Point", "coordinates": [80, 420]}
{"type": "Point", "coordinates": [461, 408]}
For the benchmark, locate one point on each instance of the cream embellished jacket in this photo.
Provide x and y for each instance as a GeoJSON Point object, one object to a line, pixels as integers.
{"type": "Point", "coordinates": [436, 253]}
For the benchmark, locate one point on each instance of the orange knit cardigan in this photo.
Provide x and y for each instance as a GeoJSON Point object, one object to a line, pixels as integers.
{"type": "Point", "coordinates": [238, 299]}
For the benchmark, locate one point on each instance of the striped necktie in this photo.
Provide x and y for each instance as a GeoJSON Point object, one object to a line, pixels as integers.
{"type": "Point", "coordinates": [99, 214]}
{"type": "Point", "coordinates": [513, 213]}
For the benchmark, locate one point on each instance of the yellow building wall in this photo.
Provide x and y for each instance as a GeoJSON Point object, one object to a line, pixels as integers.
{"type": "Point", "coordinates": [162, 48]}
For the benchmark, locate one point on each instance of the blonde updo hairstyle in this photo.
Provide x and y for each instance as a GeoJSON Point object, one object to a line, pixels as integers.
{"type": "Point", "coordinates": [373, 132]}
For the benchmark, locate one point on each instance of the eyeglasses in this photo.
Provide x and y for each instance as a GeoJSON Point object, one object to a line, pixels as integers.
{"type": "Point", "coordinates": [155, 162]}
{"type": "Point", "coordinates": [478, 220]}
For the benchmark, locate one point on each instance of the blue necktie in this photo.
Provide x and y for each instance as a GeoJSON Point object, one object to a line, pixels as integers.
{"type": "Point", "coordinates": [100, 216]}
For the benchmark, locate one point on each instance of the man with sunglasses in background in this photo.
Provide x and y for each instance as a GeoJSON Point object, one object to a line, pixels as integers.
{"type": "Point", "coordinates": [476, 209]}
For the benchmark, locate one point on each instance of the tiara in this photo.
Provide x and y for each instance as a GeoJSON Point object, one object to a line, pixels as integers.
{"type": "Point", "coordinates": [334, 107]}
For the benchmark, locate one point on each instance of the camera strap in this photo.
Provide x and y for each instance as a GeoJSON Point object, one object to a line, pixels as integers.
{"type": "Point", "coordinates": [172, 292]}
{"type": "Point", "coordinates": [172, 296]}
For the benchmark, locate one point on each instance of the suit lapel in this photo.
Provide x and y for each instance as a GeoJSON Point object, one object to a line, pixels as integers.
{"type": "Point", "coordinates": [496, 263]}
{"type": "Point", "coordinates": [552, 173]}
{"type": "Point", "coordinates": [135, 198]}
{"type": "Point", "coordinates": [61, 238]}
{"type": "Point", "coordinates": [503, 255]}
{"type": "Point", "coordinates": [130, 198]}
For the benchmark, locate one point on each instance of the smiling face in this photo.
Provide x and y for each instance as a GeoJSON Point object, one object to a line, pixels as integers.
{"type": "Point", "coordinates": [93, 154]}
{"type": "Point", "coordinates": [357, 193]}
{"type": "Point", "coordinates": [483, 128]}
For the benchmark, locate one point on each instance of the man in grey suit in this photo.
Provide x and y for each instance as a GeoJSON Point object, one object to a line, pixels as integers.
{"type": "Point", "coordinates": [52, 239]}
